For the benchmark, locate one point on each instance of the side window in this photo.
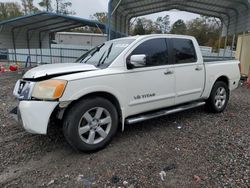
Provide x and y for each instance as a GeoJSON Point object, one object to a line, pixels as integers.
{"type": "Point", "coordinates": [155, 50]}
{"type": "Point", "coordinates": [184, 51]}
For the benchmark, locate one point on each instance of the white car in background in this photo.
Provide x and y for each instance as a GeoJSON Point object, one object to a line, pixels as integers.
{"type": "Point", "coordinates": [123, 81]}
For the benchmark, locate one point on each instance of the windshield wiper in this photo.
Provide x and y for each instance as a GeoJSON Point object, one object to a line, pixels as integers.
{"type": "Point", "coordinates": [102, 61]}
{"type": "Point", "coordinates": [91, 53]}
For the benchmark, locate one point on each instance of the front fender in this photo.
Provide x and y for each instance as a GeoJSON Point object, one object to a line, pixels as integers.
{"type": "Point", "coordinates": [74, 92]}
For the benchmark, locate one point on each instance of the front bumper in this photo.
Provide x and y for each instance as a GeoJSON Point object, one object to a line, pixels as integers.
{"type": "Point", "coordinates": [35, 115]}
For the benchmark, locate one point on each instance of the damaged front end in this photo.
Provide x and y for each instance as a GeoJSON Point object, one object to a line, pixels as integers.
{"type": "Point", "coordinates": [39, 92]}
{"type": "Point", "coordinates": [38, 106]}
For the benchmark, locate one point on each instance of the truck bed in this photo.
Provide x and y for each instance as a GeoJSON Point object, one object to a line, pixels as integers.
{"type": "Point", "coordinates": [214, 58]}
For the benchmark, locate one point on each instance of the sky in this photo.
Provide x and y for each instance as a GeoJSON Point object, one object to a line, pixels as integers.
{"type": "Point", "coordinates": [85, 8]}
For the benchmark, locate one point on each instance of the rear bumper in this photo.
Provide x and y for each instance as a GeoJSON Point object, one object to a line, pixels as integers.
{"type": "Point", "coordinates": [34, 115]}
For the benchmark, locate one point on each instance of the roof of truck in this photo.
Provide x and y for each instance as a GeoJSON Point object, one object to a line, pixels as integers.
{"type": "Point", "coordinates": [156, 35]}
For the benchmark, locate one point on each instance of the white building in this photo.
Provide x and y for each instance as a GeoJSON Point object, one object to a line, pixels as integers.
{"type": "Point", "coordinates": [82, 39]}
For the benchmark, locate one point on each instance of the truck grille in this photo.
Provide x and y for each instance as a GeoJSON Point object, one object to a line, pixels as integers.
{"type": "Point", "coordinates": [23, 89]}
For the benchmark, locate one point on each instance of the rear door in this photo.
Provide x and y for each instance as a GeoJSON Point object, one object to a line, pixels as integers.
{"type": "Point", "coordinates": [189, 71]}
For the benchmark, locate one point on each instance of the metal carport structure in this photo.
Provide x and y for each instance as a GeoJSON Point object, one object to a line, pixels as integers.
{"type": "Point", "coordinates": [34, 31]}
{"type": "Point", "coordinates": [234, 14]}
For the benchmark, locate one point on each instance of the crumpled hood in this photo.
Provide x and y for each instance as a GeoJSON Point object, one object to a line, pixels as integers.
{"type": "Point", "coordinates": [57, 70]}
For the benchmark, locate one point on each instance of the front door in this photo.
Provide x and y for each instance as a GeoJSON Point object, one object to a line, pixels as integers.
{"type": "Point", "coordinates": [151, 86]}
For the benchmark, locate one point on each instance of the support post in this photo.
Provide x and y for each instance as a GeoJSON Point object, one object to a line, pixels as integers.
{"type": "Point", "coordinates": [14, 44]}
{"type": "Point", "coordinates": [40, 46]}
{"type": "Point", "coordinates": [99, 29]}
{"type": "Point", "coordinates": [219, 46]}
{"type": "Point", "coordinates": [36, 56]}
{"type": "Point", "coordinates": [116, 7]}
{"type": "Point", "coordinates": [220, 35]}
{"type": "Point", "coordinates": [109, 18]}
{"type": "Point", "coordinates": [232, 47]}
{"type": "Point", "coordinates": [50, 52]}
{"type": "Point", "coordinates": [28, 45]}
{"type": "Point", "coordinates": [225, 46]}
{"type": "Point", "coordinates": [61, 55]}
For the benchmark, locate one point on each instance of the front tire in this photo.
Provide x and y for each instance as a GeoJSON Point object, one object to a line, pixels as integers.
{"type": "Point", "coordinates": [90, 124]}
{"type": "Point", "coordinates": [219, 97]}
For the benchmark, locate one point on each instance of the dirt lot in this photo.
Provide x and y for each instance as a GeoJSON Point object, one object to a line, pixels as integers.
{"type": "Point", "coordinates": [189, 149]}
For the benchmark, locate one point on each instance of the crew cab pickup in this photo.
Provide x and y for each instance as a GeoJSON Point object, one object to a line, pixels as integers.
{"type": "Point", "coordinates": [123, 81]}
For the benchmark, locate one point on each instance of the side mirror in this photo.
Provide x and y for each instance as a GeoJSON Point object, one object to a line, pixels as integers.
{"type": "Point", "coordinates": [137, 60]}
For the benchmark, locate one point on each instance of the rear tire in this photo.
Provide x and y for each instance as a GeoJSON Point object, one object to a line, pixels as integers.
{"type": "Point", "coordinates": [90, 124]}
{"type": "Point", "coordinates": [219, 97]}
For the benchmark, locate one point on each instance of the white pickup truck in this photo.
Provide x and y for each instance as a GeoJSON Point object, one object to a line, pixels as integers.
{"type": "Point", "coordinates": [122, 81]}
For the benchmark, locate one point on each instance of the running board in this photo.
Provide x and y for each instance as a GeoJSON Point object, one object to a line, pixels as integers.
{"type": "Point", "coordinates": [165, 112]}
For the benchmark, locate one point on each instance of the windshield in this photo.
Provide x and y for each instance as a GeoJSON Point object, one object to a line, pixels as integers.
{"type": "Point", "coordinates": [104, 54]}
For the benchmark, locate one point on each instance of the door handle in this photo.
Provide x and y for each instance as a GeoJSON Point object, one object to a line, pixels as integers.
{"type": "Point", "coordinates": [167, 72]}
{"type": "Point", "coordinates": [198, 68]}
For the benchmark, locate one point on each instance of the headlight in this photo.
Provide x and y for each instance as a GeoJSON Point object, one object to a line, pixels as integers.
{"type": "Point", "coordinates": [49, 89]}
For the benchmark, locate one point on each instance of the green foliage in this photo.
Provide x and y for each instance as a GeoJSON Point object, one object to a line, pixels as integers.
{"type": "Point", "coordinates": [100, 16]}
{"type": "Point", "coordinates": [179, 27]}
{"type": "Point", "coordinates": [28, 7]}
{"type": "Point", "coordinates": [62, 7]}
{"type": "Point", "coordinates": [146, 26]}
{"type": "Point", "coordinates": [139, 28]}
{"type": "Point", "coordinates": [10, 10]}
{"type": "Point", "coordinates": [206, 30]}
{"type": "Point", "coordinates": [46, 5]}
{"type": "Point", "coordinates": [162, 24]}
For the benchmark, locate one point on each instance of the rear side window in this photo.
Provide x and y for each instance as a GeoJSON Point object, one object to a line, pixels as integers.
{"type": "Point", "coordinates": [184, 51]}
{"type": "Point", "coordinates": [155, 50]}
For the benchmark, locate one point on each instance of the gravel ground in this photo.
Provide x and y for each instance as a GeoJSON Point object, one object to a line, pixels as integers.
{"type": "Point", "coordinates": [188, 149]}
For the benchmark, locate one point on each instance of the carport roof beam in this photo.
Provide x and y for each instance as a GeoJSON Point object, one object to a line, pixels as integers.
{"type": "Point", "coordinates": [191, 1]}
{"type": "Point", "coordinates": [236, 2]}
{"type": "Point", "coordinates": [188, 7]}
{"type": "Point", "coordinates": [198, 4]}
{"type": "Point", "coordinates": [233, 13]}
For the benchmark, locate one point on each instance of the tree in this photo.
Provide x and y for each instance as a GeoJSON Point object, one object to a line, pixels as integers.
{"type": "Point", "coordinates": [100, 17]}
{"type": "Point", "coordinates": [162, 24]}
{"type": "Point", "coordinates": [28, 7]}
{"type": "Point", "coordinates": [47, 5]}
{"type": "Point", "coordinates": [206, 30]}
{"type": "Point", "coordinates": [62, 7]}
{"type": "Point", "coordinates": [179, 27]}
{"type": "Point", "coordinates": [25, 8]}
{"type": "Point", "coordinates": [143, 26]}
{"type": "Point", "coordinates": [138, 28]}
{"type": "Point", "coordinates": [10, 10]}
{"type": "Point", "coordinates": [148, 26]}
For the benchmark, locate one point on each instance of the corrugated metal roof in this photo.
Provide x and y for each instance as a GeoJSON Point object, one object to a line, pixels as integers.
{"type": "Point", "coordinates": [32, 31]}
{"type": "Point", "coordinates": [235, 14]}
{"type": "Point", "coordinates": [48, 21]}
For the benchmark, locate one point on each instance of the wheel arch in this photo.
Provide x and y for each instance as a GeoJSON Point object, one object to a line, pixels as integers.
{"type": "Point", "coordinates": [103, 94]}
{"type": "Point", "coordinates": [221, 81]}
{"type": "Point", "coordinates": [222, 78]}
